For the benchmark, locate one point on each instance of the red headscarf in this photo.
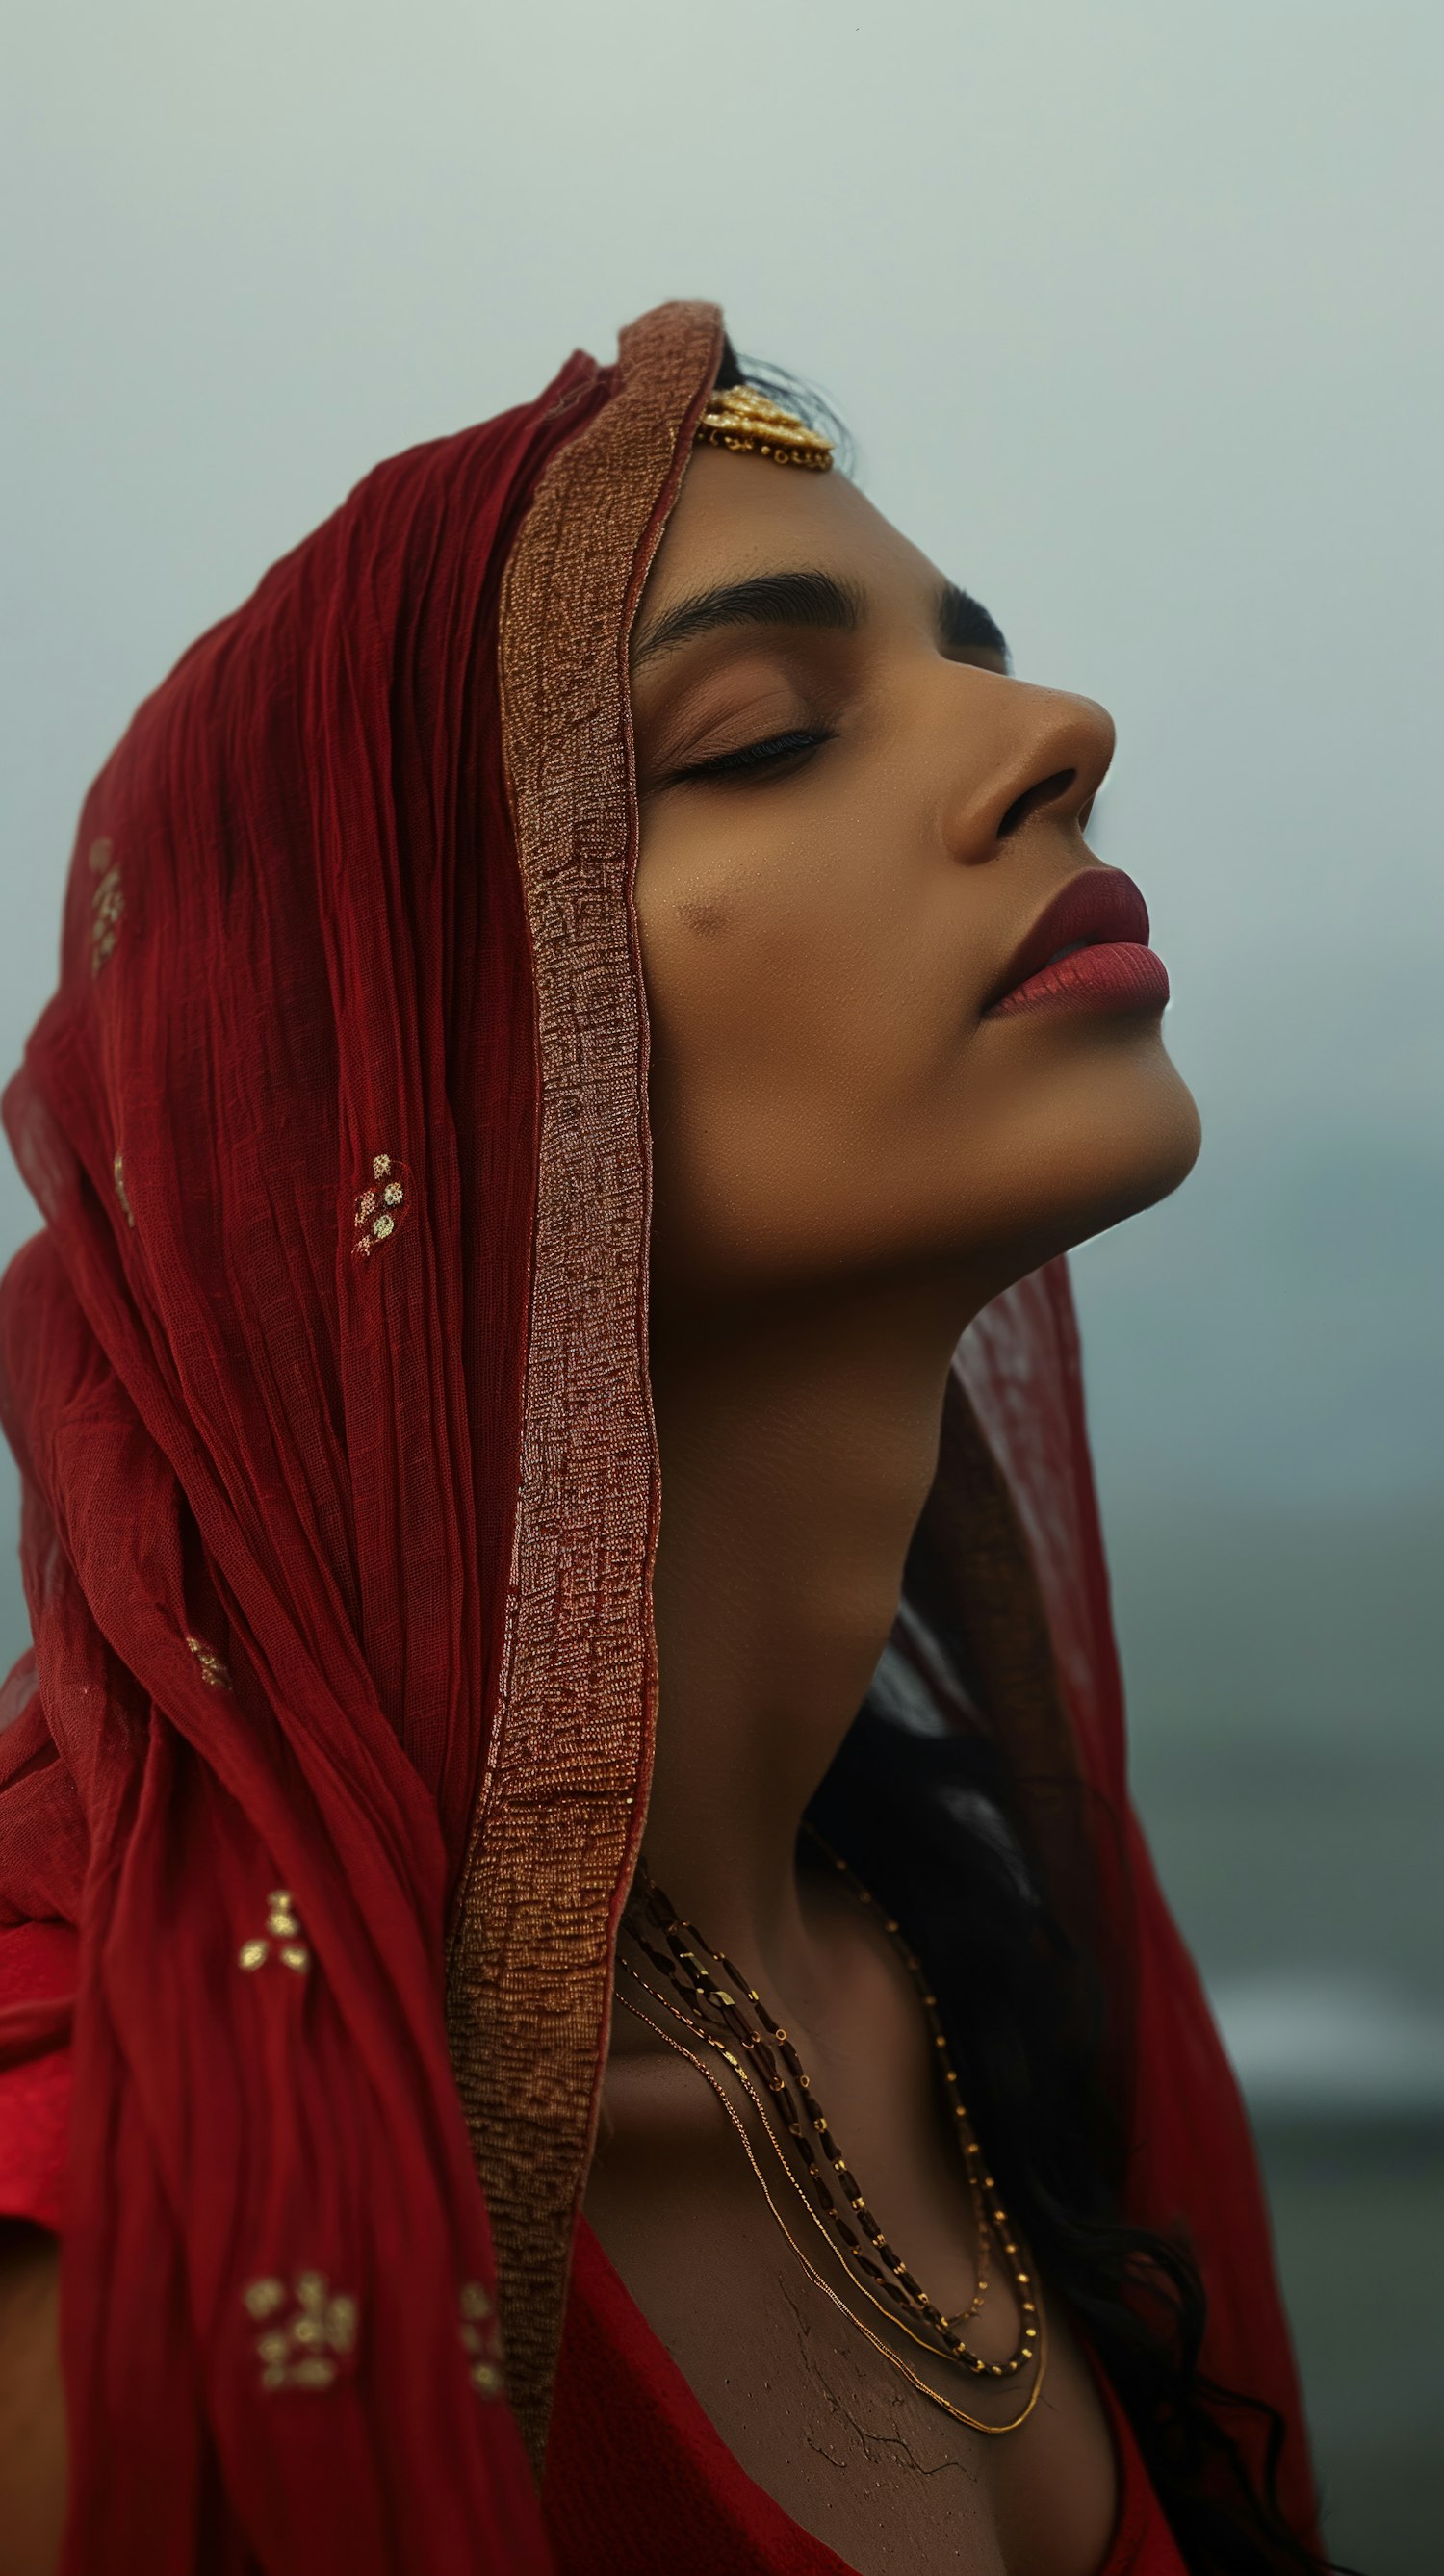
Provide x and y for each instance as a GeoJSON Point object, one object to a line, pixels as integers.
{"type": "Point", "coordinates": [328, 1384]}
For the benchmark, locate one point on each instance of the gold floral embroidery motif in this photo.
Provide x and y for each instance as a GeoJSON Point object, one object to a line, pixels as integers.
{"type": "Point", "coordinates": [212, 1668]}
{"type": "Point", "coordinates": [481, 2340]}
{"type": "Point", "coordinates": [382, 1204]}
{"type": "Point", "coordinates": [295, 2351]}
{"type": "Point", "coordinates": [284, 1926]}
{"type": "Point", "coordinates": [118, 1174]}
{"type": "Point", "coordinates": [107, 903]}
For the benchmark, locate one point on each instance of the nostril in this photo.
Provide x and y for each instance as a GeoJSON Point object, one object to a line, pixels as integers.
{"type": "Point", "coordinates": [1047, 792]}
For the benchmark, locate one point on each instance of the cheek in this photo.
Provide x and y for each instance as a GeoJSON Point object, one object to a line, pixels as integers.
{"type": "Point", "coordinates": [773, 975]}
{"type": "Point", "coordinates": [805, 1024]}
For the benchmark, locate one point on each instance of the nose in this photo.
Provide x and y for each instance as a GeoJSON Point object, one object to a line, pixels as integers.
{"type": "Point", "coordinates": [1048, 757]}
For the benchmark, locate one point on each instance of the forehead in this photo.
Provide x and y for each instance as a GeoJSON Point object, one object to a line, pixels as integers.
{"type": "Point", "coordinates": [739, 515]}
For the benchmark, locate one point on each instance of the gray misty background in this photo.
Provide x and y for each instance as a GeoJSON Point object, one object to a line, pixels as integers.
{"type": "Point", "coordinates": [1134, 312]}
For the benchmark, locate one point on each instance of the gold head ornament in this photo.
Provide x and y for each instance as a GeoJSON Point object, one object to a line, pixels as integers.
{"type": "Point", "coordinates": [748, 423]}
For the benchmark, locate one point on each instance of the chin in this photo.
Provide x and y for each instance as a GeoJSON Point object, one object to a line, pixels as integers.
{"type": "Point", "coordinates": [1119, 1136]}
{"type": "Point", "coordinates": [988, 1189]}
{"type": "Point", "coordinates": [1135, 1133]}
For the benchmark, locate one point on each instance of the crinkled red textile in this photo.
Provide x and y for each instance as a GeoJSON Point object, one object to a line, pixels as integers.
{"type": "Point", "coordinates": [279, 1541]}
{"type": "Point", "coordinates": [267, 1532]}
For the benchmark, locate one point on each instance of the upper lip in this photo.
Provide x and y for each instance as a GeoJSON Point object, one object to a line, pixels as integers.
{"type": "Point", "coordinates": [1100, 903]}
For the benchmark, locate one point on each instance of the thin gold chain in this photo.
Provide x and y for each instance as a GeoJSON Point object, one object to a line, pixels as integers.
{"type": "Point", "coordinates": [924, 2343]}
{"type": "Point", "coordinates": [973, 2423]}
{"type": "Point", "coordinates": [684, 1970]}
{"type": "Point", "coordinates": [899, 2280]}
{"type": "Point", "coordinates": [702, 2000]}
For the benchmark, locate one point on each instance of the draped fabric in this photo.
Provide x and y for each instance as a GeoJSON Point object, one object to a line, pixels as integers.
{"type": "Point", "coordinates": [327, 1379]}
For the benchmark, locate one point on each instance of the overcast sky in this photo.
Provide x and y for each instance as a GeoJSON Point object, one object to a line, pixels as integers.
{"type": "Point", "coordinates": [1134, 311]}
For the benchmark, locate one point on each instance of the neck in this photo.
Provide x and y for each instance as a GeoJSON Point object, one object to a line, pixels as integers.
{"type": "Point", "coordinates": [798, 1441]}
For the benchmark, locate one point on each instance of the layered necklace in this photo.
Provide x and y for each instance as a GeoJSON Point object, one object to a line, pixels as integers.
{"type": "Point", "coordinates": [699, 1992]}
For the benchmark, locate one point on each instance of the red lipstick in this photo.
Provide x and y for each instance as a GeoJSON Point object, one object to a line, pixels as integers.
{"type": "Point", "coordinates": [1088, 950]}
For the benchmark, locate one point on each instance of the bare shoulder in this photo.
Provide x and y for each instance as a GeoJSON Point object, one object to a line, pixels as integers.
{"type": "Point", "coordinates": [32, 2413]}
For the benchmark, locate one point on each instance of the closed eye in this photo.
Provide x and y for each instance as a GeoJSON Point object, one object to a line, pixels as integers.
{"type": "Point", "coordinates": [775, 752]}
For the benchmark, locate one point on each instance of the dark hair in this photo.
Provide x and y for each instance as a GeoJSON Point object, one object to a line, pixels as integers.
{"type": "Point", "coordinates": [794, 395]}
{"type": "Point", "coordinates": [924, 1812]}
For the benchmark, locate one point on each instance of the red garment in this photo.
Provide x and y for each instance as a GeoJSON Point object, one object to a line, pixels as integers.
{"type": "Point", "coordinates": [37, 1963]}
{"type": "Point", "coordinates": [327, 1379]}
{"type": "Point", "coordinates": [638, 2482]}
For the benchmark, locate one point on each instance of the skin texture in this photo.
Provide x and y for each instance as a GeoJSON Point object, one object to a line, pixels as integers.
{"type": "Point", "coordinates": [851, 1158]}
{"type": "Point", "coordinates": [32, 2414]}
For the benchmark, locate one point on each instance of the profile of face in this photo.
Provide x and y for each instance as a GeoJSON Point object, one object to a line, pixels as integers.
{"type": "Point", "coordinates": [854, 827]}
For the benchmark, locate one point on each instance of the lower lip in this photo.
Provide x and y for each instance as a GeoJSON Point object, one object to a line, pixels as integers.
{"type": "Point", "coordinates": [1118, 975]}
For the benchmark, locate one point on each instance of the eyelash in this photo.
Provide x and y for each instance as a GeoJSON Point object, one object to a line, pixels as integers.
{"type": "Point", "coordinates": [754, 757]}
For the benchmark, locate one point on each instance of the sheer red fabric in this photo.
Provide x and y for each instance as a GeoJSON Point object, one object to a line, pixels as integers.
{"type": "Point", "coordinates": [268, 1476]}
{"type": "Point", "coordinates": [327, 1382]}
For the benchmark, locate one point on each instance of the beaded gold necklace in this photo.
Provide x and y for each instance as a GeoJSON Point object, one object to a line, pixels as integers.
{"type": "Point", "coordinates": [783, 2098]}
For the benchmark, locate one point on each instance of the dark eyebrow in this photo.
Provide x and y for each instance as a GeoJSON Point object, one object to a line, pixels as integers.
{"type": "Point", "coordinates": [768, 599]}
{"type": "Point", "coordinates": [965, 626]}
{"type": "Point", "coordinates": [817, 599]}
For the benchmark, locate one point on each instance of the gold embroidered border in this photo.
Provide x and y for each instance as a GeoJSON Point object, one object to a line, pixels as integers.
{"type": "Point", "coordinates": [553, 1839]}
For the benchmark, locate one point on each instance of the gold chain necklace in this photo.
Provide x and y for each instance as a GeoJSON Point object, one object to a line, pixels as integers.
{"type": "Point", "coordinates": [810, 2209]}
{"type": "Point", "coordinates": [712, 2013]}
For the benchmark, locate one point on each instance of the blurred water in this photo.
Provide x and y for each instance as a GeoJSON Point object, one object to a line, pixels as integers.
{"type": "Point", "coordinates": [1288, 1757]}
{"type": "Point", "coordinates": [1358, 2212]}
{"type": "Point", "coordinates": [1349, 2049]}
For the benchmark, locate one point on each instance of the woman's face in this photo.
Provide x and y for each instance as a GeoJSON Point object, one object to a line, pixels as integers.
{"type": "Point", "coordinates": [852, 820]}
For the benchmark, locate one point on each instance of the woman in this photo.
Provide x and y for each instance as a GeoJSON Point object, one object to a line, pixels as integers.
{"type": "Point", "coordinates": [605, 802]}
